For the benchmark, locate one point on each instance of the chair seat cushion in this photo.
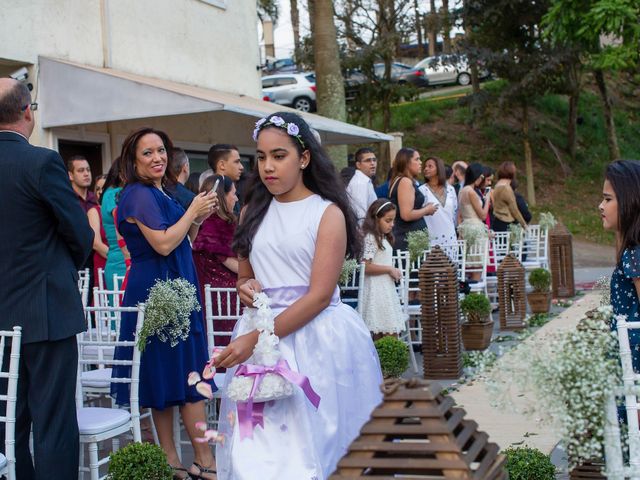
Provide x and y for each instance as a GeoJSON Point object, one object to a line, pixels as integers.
{"type": "Point", "coordinates": [3, 461]}
{"type": "Point", "coordinates": [94, 420]}
{"type": "Point", "coordinates": [99, 378]}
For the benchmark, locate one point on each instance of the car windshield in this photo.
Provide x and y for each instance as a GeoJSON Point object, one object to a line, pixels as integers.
{"type": "Point", "coordinates": [311, 77]}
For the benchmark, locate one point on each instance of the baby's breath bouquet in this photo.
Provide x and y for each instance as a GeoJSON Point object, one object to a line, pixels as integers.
{"type": "Point", "coordinates": [547, 221]}
{"type": "Point", "coordinates": [167, 311]}
{"type": "Point", "coordinates": [566, 378]}
{"type": "Point", "coordinates": [515, 233]}
{"type": "Point", "coordinates": [348, 268]}
{"type": "Point", "coordinates": [418, 242]}
{"type": "Point", "coordinates": [473, 232]}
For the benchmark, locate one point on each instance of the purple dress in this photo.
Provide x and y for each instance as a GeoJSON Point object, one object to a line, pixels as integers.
{"type": "Point", "coordinates": [211, 247]}
{"type": "Point", "coordinates": [163, 368]}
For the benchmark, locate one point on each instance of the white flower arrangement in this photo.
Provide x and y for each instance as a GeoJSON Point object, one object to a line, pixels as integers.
{"type": "Point", "coordinates": [348, 268]}
{"type": "Point", "coordinates": [417, 243]}
{"type": "Point", "coordinates": [515, 233]}
{"type": "Point", "coordinates": [566, 378]}
{"type": "Point", "coordinates": [604, 285]}
{"type": "Point", "coordinates": [266, 353]}
{"type": "Point", "coordinates": [168, 312]}
{"type": "Point", "coordinates": [547, 221]}
{"type": "Point", "coordinates": [473, 232]}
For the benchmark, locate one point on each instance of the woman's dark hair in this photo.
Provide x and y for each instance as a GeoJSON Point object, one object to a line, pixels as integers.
{"type": "Point", "coordinates": [448, 171]}
{"type": "Point", "coordinates": [347, 174]}
{"type": "Point", "coordinates": [224, 186]}
{"type": "Point", "coordinates": [624, 177]}
{"type": "Point", "coordinates": [128, 157]}
{"type": "Point", "coordinates": [370, 224]}
{"type": "Point", "coordinates": [193, 182]}
{"type": "Point", "coordinates": [401, 163]}
{"type": "Point", "coordinates": [473, 173]}
{"type": "Point", "coordinates": [320, 177]}
{"type": "Point", "coordinates": [113, 177]}
{"type": "Point", "coordinates": [441, 170]}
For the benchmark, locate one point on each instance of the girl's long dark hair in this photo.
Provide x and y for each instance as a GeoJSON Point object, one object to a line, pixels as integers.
{"type": "Point", "coordinates": [371, 225]}
{"type": "Point", "coordinates": [624, 177]}
{"type": "Point", "coordinates": [113, 177]}
{"type": "Point", "coordinates": [320, 177]}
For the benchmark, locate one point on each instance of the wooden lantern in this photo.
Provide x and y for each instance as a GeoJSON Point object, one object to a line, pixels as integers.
{"type": "Point", "coordinates": [588, 471]}
{"type": "Point", "coordinates": [441, 338]}
{"type": "Point", "coordinates": [561, 262]}
{"type": "Point", "coordinates": [511, 294]}
{"type": "Point", "coordinates": [418, 433]}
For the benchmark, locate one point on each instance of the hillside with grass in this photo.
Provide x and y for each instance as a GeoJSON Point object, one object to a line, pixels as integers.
{"type": "Point", "coordinates": [441, 126]}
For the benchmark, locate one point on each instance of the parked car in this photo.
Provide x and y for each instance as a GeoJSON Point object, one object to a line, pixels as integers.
{"type": "Point", "coordinates": [400, 73]}
{"type": "Point", "coordinates": [281, 65]}
{"type": "Point", "coordinates": [297, 90]}
{"type": "Point", "coordinates": [448, 69]}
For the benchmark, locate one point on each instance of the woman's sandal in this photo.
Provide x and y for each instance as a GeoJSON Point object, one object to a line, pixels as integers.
{"type": "Point", "coordinates": [180, 469]}
{"type": "Point", "coordinates": [201, 470]}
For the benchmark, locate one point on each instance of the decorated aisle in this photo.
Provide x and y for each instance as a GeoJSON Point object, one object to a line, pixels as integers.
{"type": "Point", "coordinates": [503, 426]}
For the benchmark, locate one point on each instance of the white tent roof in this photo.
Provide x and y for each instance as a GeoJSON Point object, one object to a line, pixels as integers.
{"type": "Point", "coordinates": [74, 94]}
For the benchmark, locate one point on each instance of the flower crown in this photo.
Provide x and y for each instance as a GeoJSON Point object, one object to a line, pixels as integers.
{"type": "Point", "coordinates": [291, 128]}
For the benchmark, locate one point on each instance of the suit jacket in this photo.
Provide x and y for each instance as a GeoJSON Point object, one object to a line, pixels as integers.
{"type": "Point", "coordinates": [45, 238]}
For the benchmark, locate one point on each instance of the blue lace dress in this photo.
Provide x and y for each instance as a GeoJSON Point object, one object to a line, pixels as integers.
{"type": "Point", "coordinates": [163, 368]}
{"type": "Point", "coordinates": [624, 297]}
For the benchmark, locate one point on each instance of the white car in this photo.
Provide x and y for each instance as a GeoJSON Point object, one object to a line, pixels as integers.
{"type": "Point", "coordinates": [448, 69]}
{"type": "Point", "coordinates": [297, 90]}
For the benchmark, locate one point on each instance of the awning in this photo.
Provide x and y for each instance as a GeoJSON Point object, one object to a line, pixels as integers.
{"type": "Point", "coordinates": [73, 94]}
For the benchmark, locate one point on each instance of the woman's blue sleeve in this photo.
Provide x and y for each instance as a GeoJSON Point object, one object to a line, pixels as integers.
{"type": "Point", "coordinates": [142, 203]}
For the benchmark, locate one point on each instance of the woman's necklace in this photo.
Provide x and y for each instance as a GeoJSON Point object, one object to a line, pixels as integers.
{"type": "Point", "coordinates": [438, 192]}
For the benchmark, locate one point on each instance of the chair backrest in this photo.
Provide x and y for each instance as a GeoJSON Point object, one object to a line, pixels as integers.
{"type": "Point", "coordinates": [104, 323]}
{"type": "Point", "coordinates": [476, 258]}
{"type": "Point", "coordinates": [400, 260]}
{"type": "Point", "coordinates": [10, 372]}
{"type": "Point", "coordinates": [456, 252]}
{"type": "Point", "coordinates": [83, 286]}
{"type": "Point", "coordinates": [132, 378]}
{"type": "Point", "coordinates": [630, 379]}
{"type": "Point", "coordinates": [118, 280]}
{"type": "Point", "coordinates": [352, 291]}
{"type": "Point", "coordinates": [100, 279]}
{"type": "Point", "coordinates": [544, 247]}
{"type": "Point", "coordinates": [220, 303]}
{"type": "Point", "coordinates": [501, 247]}
{"type": "Point", "coordinates": [530, 245]}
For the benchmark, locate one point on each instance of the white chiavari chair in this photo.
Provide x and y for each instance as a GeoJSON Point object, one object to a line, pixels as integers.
{"type": "Point", "coordinates": [97, 424]}
{"type": "Point", "coordinates": [83, 286]}
{"type": "Point", "coordinates": [529, 248]}
{"type": "Point", "coordinates": [10, 372]}
{"type": "Point", "coordinates": [476, 258]}
{"type": "Point", "coordinates": [544, 248]}
{"type": "Point", "coordinates": [352, 291]}
{"type": "Point", "coordinates": [501, 247]}
{"type": "Point", "coordinates": [101, 279]}
{"type": "Point", "coordinates": [118, 280]}
{"type": "Point", "coordinates": [400, 260]}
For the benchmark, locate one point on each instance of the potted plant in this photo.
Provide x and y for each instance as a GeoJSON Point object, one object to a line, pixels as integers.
{"type": "Point", "coordinates": [394, 356]}
{"type": "Point", "coordinates": [478, 327]}
{"type": "Point", "coordinates": [540, 298]}
{"type": "Point", "coordinates": [529, 464]}
{"type": "Point", "coordinates": [139, 461]}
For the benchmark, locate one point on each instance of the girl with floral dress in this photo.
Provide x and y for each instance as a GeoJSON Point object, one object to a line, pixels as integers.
{"type": "Point", "coordinates": [620, 212]}
{"type": "Point", "coordinates": [382, 312]}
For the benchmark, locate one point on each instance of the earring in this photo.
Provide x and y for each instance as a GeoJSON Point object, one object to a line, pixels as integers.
{"type": "Point", "coordinates": [302, 166]}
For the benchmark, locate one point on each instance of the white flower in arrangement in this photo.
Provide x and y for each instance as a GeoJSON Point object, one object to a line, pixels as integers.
{"type": "Point", "coordinates": [348, 268]}
{"type": "Point", "coordinates": [472, 232]}
{"type": "Point", "coordinates": [547, 221]}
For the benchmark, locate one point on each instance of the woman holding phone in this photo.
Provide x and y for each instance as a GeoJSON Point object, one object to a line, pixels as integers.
{"type": "Point", "coordinates": [505, 207]}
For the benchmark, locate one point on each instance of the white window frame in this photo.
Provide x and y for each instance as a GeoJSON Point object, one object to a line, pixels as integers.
{"type": "Point", "coordinates": [216, 3]}
{"type": "Point", "coordinates": [82, 135]}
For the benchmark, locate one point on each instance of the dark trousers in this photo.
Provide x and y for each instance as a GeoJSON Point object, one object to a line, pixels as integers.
{"type": "Point", "coordinates": [46, 399]}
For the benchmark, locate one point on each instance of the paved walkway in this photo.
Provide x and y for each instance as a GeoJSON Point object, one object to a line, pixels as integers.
{"type": "Point", "coordinates": [510, 429]}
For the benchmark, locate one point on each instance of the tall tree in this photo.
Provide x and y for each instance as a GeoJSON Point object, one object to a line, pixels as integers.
{"type": "Point", "coordinates": [446, 27]}
{"type": "Point", "coordinates": [432, 27]}
{"type": "Point", "coordinates": [329, 81]}
{"type": "Point", "coordinates": [418, 22]}
{"type": "Point", "coordinates": [295, 25]}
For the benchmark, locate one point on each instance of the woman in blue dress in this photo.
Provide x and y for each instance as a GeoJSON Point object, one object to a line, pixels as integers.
{"type": "Point", "coordinates": [155, 228]}
{"type": "Point", "coordinates": [620, 212]}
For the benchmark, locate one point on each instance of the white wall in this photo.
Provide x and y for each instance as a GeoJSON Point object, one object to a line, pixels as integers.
{"type": "Point", "coordinates": [188, 41]}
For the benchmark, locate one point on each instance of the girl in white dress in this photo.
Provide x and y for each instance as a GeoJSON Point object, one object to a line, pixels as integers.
{"type": "Point", "coordinates": [295, 230]}
{"type": "Point", "coordinates": [382, 312]}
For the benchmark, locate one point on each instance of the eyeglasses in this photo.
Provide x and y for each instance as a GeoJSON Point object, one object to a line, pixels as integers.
{"type": "Point", "coordinates": [34, 106]}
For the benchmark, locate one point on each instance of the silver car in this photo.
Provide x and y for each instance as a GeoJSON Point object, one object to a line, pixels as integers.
{"type": "Point", "coordinates": [448, 69]}
{"type": "Point", "coordinates": [297, 90]}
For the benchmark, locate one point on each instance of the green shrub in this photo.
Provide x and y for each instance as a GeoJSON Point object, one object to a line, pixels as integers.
{"type": "Point", "coordinates": [529, 464]}
{"type": "Point", "coordinates": [475, 306]}
{"type": "Point", "coordinates": [540, 279]}
{"type": "Point", "coordinates": [139, 461]}
{"type": "Point", "coordinates": [394, 356]}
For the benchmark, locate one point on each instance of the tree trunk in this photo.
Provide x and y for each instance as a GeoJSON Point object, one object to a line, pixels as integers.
{"type": "Point", "coordinates": [475, 76]}
{"type": "Point", "coordinates": [432, 34]}
{"type": "Point", "coordinates": [311, 8]}
{"type": "Point", "coordinates": [295, 25]}
{"type": "Point", "coordinates": [609, 123]}
{"type": "Point", "coordinates": [528, 157]}
{"type": "Point", "coordinates": [418, 28]}
{"type": "Point", "coordinates": [329, 81]}
{"type": "Point", "coordinates": [446, 27]}
{"type": "Point", "coordinates": [572, 127]}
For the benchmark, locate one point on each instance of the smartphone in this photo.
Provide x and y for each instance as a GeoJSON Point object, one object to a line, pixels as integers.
{"type": "Point", "coordinates": [487, 190]}
{"type": "Point", "coordinates": [215, 186]}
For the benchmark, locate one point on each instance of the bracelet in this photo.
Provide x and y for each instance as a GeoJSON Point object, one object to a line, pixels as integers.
{"type": "Point", "coordinates": [197, 223]}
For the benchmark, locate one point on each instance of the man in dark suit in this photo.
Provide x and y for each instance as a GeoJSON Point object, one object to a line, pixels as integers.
{"type": "Point", "coordinates": [44, 238]}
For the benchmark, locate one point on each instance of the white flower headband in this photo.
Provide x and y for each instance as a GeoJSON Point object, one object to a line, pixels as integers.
{"type": "Point", "coordinates": [291, 128]}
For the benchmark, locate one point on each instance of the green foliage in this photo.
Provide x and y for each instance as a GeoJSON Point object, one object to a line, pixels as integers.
{"type": "Point", "coordinates": [139, 461]}
{"type": "Point", "coordinates": [540, 279]}
{"type": "Point", "coordinates": [394, 356]}
{"type": "Point", "coordinates": [348, 269]}
{"type": "Point", "coordinates": [475, 303]}
{"type": "Point", "coordinates": [417, 243]}
{"type": "Point", "coordinates": [538, 319]}
{"type": "Point", "coordinates": [529, 464]}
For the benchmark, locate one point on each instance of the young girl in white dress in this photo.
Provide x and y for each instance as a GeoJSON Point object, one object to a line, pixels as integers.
{"type": "Point", "coordinates": [295, 230]}
{"type": "Point", "coordinates": [382, 312]}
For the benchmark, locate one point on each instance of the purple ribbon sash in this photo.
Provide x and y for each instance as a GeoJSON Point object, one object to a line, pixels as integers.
{"type": "Point", "coordinates": [250, 415]}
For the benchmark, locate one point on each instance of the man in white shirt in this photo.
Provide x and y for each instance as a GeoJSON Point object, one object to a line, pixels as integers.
{"type": "Point", "coordinates": [360, 188]}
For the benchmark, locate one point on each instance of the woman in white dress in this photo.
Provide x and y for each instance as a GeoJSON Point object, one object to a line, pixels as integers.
{"type": "Point", "coordinates": [295, 230]}
{"type": "Point", "coordinates": [381, 311]}
{"type": "Point", "coordinates": [437, 191]}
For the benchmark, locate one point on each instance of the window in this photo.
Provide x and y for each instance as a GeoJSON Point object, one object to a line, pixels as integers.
{"type": "Point", "coordinates": [286, 81]}
{"type": "Point", "coordinates": [268, 82]}
{"type": "Point", "coordinates": [216, 3]}
{"type": "Point", "coordinates": [311, 77]}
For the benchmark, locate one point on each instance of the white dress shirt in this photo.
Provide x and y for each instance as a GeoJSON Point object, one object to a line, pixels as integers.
{"type": "Point", "coordinates": [361, 194]}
